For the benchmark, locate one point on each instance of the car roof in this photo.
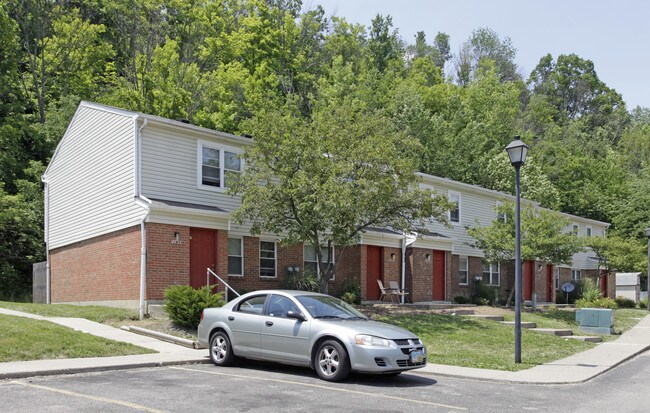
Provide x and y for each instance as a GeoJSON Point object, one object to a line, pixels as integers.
{"type": "Point", "coordinates": [293, 293]}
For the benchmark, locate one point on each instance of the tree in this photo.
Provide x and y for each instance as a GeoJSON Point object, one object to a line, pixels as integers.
{"type": "Point", "coordinates": [543, 236]}
{"type": "Point", "coordinates": [619, 254]}
{"type": "Point", "coordinates": [325, 180]}
{"type": "Point", "coordinates": [384, 46]}
{"type": "Point", "coordinates": [484, 44]}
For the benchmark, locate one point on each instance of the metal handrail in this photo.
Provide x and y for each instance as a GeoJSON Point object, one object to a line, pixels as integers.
{"type": "Point", "coordinates": [207, 282]}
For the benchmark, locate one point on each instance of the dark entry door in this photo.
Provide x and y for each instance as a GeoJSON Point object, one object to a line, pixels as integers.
{"type": "Point", "coordinates": [375, 272]}
{"type": "Point", "coordinates": [550, 284]}
{"type": "Point", "coordinates": [203, 254]}
{"type": "Point", "coordinates": [527, 280]}
{"type": "Point", "coordinates": [438, 275]}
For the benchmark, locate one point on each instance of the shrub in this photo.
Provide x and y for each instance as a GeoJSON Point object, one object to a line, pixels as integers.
{"type": "Point", "coordinates": [350, 298]}
{"type": "Point", "coordinates": [485, 295]}
{"type": "Point", "coordinates": [643, 303]}
{"type": "Point", "coordinates": [352, 288]}
{"type": "Point", "coordinates": [461, 299]}
{"type": "Point", "coordinates": [303, 281]}
{"type": "Point", "coordinates": [597, 303]}
{"type": "Point", "coordinates": [184, 303]}
{"type": "Point", "coordinates": [590, 292]}
{"type": "Point", "coordinates": [623, 302]}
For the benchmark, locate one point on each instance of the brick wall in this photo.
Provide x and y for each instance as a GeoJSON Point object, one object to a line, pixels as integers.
{"type": "Point", "coordinates": [167, 263]}
{"type": "Point", "coordinates": [104, 268]}
{"type": "Point", "coordinates": [419, 272]}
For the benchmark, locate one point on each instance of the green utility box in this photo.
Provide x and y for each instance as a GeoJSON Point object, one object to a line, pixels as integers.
{"type": "Point", "coordinates": [595, 320]}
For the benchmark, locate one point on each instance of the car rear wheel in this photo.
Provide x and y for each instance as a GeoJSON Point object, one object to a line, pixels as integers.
{"type": "Point", "coordinates": [220, 349]}
{"type": "Point", "coordinates": [332, 362]}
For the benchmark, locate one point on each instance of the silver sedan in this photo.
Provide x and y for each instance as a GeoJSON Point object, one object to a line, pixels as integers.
{"type": "Point", "coordinates": [307, 329]}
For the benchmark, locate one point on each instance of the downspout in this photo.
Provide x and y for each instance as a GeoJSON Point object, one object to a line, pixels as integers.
{"type": "Point", "coordinates": [145, 203]}
{"type": "Point", "coordinates": [406, 241]}
{"type": "Point", "coordinates": [46, 233]}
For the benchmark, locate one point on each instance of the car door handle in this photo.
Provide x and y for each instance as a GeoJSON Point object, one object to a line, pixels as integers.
{"type": "Point", "coordinates": [269, 323]}
{"type": "Point", "coordinates": [231, 318]}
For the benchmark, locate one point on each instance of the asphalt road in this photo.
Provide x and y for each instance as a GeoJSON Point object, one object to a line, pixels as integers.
{"type": "Point", "coordinates": [255, 387]}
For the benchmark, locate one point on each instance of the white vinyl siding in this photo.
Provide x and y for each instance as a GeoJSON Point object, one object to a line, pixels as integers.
{"type": "Point", "coordinates": [170, 166]}
{"type": "Point", "coordinates": [91, 179]}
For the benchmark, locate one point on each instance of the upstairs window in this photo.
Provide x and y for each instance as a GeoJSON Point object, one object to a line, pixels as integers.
{"type": "Point", "coordinates": [501, 215]}
{"type": "Point", "coordinates": [574, 229]}
{"type": "Point", "coordinates": [588, 231]}
{"type": "Point", "coordinates": [454, 212]}
{"type": "Point", "coordinates": [219, 167]}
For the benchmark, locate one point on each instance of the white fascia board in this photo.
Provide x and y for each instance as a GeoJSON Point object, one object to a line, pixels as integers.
{"type": "Point", "coordinates": [382, 239]}
{"type": "Point", "coordinates": [434, 243]}
{"type": "Point", "coordinates": [189, 217]}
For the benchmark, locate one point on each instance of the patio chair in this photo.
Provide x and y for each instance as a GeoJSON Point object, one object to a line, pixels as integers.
{"type": "Point", "coordinates": [397, 291]}
{"type": "Point", "coordinates": [385, 292]}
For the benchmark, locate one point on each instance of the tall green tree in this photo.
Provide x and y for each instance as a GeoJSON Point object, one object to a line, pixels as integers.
{"type": "Point", "coordinates": [323, 181]}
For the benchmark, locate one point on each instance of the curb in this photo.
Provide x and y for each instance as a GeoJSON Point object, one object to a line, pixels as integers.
{"type": "Point", "coordinates": [163, 337]}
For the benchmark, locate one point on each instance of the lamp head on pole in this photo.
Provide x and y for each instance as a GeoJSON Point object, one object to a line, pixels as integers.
{"type": "Point", "coordinates": [647, 232]}
{"type": "Point", "coordinates": [517, 150]}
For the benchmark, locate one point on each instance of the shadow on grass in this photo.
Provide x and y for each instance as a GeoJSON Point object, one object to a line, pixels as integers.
{"type": "Point", "coordinates": [568, 317]}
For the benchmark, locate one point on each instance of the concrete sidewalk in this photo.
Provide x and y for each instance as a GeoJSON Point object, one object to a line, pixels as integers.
{"type": "Point", "coordinates": [574, 369]}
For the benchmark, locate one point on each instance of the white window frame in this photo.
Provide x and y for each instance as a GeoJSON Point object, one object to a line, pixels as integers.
{"type": "Point", "coordinates": [492, 274]}
{"type": "Point", "coordinates": [222, 165]}
{"type": "Point", "coordinates": [462, 258]}
{"type": "Point", "coordinates": [275, 259]}
{"type": "Point", "coordinates": [576, 275]}
{"type": "Point", "coordinates": [241, 241]}
{"type": "Point", "coordinates": [589, 231]}
{"type": "Point", "coordinates": [450, 195]}
{"type": "Point", "coordinates": [500, 217]}
{"type": "Point", "coordinates": [575, 228]}
{"type": "Point", "coordinates": [333, 254]}
{"type": "Point", "coordinates": [557, 278]}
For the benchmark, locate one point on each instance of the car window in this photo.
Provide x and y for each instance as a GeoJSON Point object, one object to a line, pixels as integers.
{"type": "Point", "coordinates": [324, 306]}
{"type": "Point", "coordinates": [253, 305]}
{"type": "Point", "coordinates": [279, 306]}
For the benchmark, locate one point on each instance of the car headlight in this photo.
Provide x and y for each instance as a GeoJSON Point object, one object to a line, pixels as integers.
{"type": "Point", "coordinates": [366, 340]}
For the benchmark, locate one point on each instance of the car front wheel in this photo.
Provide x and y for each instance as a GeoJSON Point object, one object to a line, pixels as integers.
{"type": "Point", "coordinates": [220, 349]}
{"type": "Point", "coordinates": [332, 362]}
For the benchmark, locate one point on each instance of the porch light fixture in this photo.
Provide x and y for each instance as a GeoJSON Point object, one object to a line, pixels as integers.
{"type": "Point", "coordinates": [177, 238]}
{"type": "Point", "coordinates": [647, 234]}
{"type": "Point", "coordinates": [392, 256]}
{"type": "Point", "coordinates": [517, 151]}
{"type": "Point", "coordinates": [428, 258]}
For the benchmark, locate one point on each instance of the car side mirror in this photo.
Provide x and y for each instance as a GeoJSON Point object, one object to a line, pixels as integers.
{"type": "Point", "coordinates": [297, 315]}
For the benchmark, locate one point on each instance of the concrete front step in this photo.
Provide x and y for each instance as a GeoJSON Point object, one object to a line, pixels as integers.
{"type": "Point", "coordinates": [589, 339]}
{"type": "Point", "coordinates": [562, 332]}
{"type": "Point", "coordinates": [524, 324]}
{"type": "Point", "coordinates": [488, 317]}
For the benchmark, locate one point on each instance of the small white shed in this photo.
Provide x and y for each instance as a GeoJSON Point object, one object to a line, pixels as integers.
{"type": "Point", "coordinates": [628, 285]}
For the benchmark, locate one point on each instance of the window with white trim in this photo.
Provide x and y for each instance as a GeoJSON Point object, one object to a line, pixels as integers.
{"type": "Point", "coordinates": [501, 216]}
{"type": "Point", "coordinates": [235, 256]}
{"type": "Point", "coordinates": [454, 212]}
{"type": "Point", "coordinates": [575, 229]}
{"type": "Point", "coordinates": [463, 267]}
{"type": "Point", "coordinates": [268, 259]}
{"type": "Point", "coordinates": [588, 231]}
{"type": "Point", "coordinates": [492, 274]}
{"type": "Point", "coordinates": [576, 275]}
{"type": "Point", "coordinates": [310, 260]}
{"type": "Point", "coordinates": [218, 166]}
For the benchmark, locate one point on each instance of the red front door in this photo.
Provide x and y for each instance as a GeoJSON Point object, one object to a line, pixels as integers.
{"type": "Point", "coordinates": [438, 275]}
{"type": "Point", "coordinates": [549, 283]}
{"type": "Point", "coordinates": [203, 255]}
{"type": "Point", "coordinates": [603, 283]}
{"type": "Point", "coordinates": [527, 280]}
{"type": "Point", "coordinates": [375, 272]}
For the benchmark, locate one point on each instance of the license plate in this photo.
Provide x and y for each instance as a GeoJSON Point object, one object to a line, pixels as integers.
{"type": "Point", "coordinates": [417, 357]}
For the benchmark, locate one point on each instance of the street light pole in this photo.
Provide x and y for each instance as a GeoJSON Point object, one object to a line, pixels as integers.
{"type": "Point", "coordinates": [647, 234]}
{"type": "Point", "coordinates": [517, 152]}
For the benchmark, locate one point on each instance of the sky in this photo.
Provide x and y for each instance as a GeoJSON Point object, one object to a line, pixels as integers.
{"type": "Point", "coordinates": [613, 34]}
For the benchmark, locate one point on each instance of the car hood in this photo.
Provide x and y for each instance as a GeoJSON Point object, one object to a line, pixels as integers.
{"type": "Point", "coordinates": [373, 328]}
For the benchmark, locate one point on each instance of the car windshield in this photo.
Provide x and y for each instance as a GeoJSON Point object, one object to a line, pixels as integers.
{"type": "Point", "coordinates": [322, 306]}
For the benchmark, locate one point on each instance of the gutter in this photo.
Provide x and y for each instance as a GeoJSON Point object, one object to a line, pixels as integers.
{"type": "Point", "coordinates": [145, 203]}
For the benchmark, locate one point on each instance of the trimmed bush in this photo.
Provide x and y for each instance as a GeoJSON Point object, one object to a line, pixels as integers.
{"type": "Point", "coordinates": [184, 303]}
{"type": "Point", "coordinates": [461, 299]}
{"type": "Point", "coordinates": [302, 281]}
{"type": "Point", "coordinates": [352, 289]}
{"type": "Point", "coordinates": [597, 303]}
{"type": "Point", "coordinates": [623, 302]}
{"type": "Point", "coordinates": [643, 303]}
{"type": "Point", "coordinates": [350, 298]}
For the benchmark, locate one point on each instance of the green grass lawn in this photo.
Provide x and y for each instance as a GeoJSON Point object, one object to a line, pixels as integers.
{"type": "Point", "coordinates": [96, 313]}
{"type": "Point", "coordinates": [470, 342]}
{"type": "Point", "coordinates": [26, 339]}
